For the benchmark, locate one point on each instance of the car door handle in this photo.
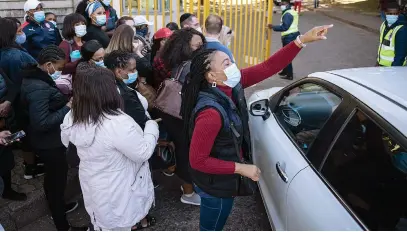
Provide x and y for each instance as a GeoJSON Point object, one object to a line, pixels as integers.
{"type": "Point", "coordinates": [281, 172]}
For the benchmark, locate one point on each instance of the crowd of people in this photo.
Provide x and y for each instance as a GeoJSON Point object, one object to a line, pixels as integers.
{"type": "Point", "coordinates": [109, 98]}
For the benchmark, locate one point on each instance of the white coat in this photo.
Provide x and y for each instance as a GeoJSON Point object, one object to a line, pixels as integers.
{"type": "Point", "coordinates": [114, 172]}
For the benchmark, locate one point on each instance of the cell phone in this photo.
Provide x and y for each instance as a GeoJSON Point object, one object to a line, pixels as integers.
{"type": "Point", "coordinates": [12, 138]}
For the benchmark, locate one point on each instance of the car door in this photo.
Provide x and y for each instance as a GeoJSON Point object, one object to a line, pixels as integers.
{"type": "Point", "coordinates": [280, 143]}
{"type": "Point", "coordinates": [361, 183]}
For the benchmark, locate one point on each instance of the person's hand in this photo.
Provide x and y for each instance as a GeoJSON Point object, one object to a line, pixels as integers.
{"type": "Point", "coordinates": [270, 26]}
{"type": "Point", "coordinates": [315, 34]}
{"type": "Point", "coordinates": [138, 47]}
{"type": "Point", "coordinates": [104, 28]}
{"type": "Point", "coordinates": [3, 136]}
{"type": "Point", "coordinates": [69, 104]}
{"type": "Point", "coordinates": [248, 170]}
{"type": "Point", "coordinates": [5, 108]}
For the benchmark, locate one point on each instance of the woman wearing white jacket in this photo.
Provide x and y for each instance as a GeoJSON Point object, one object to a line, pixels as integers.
{"type": "Point", "coordinates": [114, 173]}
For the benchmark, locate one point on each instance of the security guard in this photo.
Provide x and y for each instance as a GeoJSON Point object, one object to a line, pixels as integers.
{"type": "Point", "coordinates": [289, 32]}
{"type": "Point", "coordinates": [39, 32]}
{"type": "Point", "coordinates": [393, 38]}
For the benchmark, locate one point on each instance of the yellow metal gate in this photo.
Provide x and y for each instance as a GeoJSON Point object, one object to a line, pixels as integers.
{"type": "Point", "coordinates": [247, 18]}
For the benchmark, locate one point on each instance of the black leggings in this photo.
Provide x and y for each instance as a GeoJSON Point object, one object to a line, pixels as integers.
{"type": "Point", "coordinates": [56, 173]}
{"type": "Point", "coordinates": [174, 127]}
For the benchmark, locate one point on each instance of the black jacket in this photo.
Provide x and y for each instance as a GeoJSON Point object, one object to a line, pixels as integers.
{"type": "Point", "coordinates": [95, 33]}
{"type": "Point", "coordinates": [132, 104]}
{"type": "Point", "coordinates": [144, 68]}
{"type": "Point", "coordinates": [44, 107]}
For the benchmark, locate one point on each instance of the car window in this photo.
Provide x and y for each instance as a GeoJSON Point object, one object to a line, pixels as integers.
{"type": "Point", "coordinates": [304, 110]}
{"type": "Point", "coordinates": [367, 167]}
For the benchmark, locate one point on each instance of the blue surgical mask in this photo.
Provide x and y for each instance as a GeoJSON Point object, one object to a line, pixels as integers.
{"type": "Point", "coordinates": [106, 2]}
{"type": "Point", "coordinates": [132, 78]}
{"type": "Point", "coordinates": [100, 20]}
{"type": "Point", "coordinates": [80, 30]}
{"type": "Point", "coordinates": [142, 32]}
{"type": "Point", "coordinates": [56, 73]}
{"type": "Point", "coordinates": [233, 76]}
{"type": "Point", "coordinates": [391, 19]}
{"type": "Point", "coordinates": [75, 55]}
{"type": "Point", "coordinates": [39, 16]}
{"type": "Point", "coordinates": [20, 39]}
{"type": "Point", "coordinates": [100, 64]}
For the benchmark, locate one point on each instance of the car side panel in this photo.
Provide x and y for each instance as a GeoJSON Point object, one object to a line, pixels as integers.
{"type": "Point", "coordinates": [312, 206]}
{"type": "Point", "coordinates": [271, 145]}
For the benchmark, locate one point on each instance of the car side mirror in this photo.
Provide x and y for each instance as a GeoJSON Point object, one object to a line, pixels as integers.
{"type": "Point", "coordinates": [260, 108]}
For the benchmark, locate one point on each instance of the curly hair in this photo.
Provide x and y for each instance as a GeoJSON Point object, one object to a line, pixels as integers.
{"type": "Point", "coordinates": [177, 48]}
{"type": "Point", "coordinates": [118, 59]}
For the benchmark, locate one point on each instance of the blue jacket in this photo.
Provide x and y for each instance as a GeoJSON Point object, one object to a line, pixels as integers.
{"type": "Point", "coordinates": [212, 43]}
{"type": "Point", "coordinates": [400, 47]}
{"type": "Point", "coordinates": [13, 60]}
{"type": "Point", "coordinates": [111, 18]}
{"type": "Point", "coordinates": [287, 20]}
{"type": "Point", "coordinates": [39, 36]}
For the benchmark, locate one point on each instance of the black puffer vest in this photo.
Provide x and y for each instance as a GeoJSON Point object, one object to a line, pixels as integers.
{"type": "Point", "coordinates": [233, 137]}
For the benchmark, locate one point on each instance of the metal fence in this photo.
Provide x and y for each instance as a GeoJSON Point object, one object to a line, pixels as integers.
{"type": "Point", "coordinates": [247, 18]}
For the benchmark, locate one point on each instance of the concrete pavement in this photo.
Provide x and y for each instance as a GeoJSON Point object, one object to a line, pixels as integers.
{"type": "Point", "coordinates": [346, 47]}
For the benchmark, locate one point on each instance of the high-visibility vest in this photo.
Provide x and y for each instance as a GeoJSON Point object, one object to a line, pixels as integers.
{"type": "Point", "coordinates": [386, 53]}
{"type": "Point", "coordinates": [294, 25]}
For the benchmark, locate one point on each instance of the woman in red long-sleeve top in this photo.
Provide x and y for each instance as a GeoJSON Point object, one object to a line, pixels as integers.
{"type": "Point", "coordinates": [73, 31]}
{"type": "Point", "coordinates": [215, 116]}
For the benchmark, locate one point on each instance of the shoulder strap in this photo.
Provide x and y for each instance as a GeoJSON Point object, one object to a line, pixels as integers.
{"type": "Point", "coordinates": [180, 70]}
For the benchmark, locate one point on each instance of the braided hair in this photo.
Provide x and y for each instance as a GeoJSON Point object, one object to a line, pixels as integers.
{"type": "Point", "coordinates": [200, 65]}
{"type": "Point", "coordinates": [51, 53]}
{"type": "Point", "coordinates": [118, 59]}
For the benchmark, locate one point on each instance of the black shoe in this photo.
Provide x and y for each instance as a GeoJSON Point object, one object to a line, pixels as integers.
{"type": "Point", "coordinates": [287, 77]}
{"type": "Point", "coordinates": [282, 74]}
{"type": "Point", "coordinates": [78, 228]}
{"type": "Point", "coordinates": [32, 171]}
{"type": "Point", "coordinates": [14, 196]}
{"type": "Point", "coordinates": [71, 207]}
{"type": "Point", "coordinates": [39, 161]}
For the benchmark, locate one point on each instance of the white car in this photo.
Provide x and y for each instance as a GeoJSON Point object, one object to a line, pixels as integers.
{"type": "Point", "coordinates": [332, 150]}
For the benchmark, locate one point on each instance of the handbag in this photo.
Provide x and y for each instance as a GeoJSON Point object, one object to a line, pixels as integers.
{"type": "Point", "coordinates": [166, 152]}
{"type": "Point", "coordinates": [245, 185]}
{"type": "Point", "coordinates": [169, 93]}
{"type": "Point", "coordinates": [147, 91]}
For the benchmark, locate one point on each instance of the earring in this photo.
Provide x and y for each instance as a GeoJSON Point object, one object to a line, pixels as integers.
{"type": "Point", "coordinates": [214, 84]}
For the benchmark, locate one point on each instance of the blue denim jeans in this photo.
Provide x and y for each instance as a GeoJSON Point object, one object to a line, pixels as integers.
{"type": "Point", "coordinates": [214, 211]}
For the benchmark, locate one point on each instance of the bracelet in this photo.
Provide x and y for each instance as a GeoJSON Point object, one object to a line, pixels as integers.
{"type": "Point", "coordinates": [299, 42]}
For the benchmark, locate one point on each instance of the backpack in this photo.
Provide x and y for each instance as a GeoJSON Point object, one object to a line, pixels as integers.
{"type": "Point", "coordinates": [169, 93]}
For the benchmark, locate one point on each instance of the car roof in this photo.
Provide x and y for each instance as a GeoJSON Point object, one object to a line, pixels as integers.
{"type": "Point", "coordinates": [384, 90]}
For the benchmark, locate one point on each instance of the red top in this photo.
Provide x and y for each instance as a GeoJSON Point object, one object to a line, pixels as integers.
{"type": "Point", "coordinates": [160, 73]}
{"type": "Point", "coordinates": [209, 122]}
{"type": "Point", "coordinates": [70, 67]}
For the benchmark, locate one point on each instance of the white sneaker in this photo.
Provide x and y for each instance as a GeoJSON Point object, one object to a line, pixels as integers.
{"type": "Point", "coordinates": [191, 199]}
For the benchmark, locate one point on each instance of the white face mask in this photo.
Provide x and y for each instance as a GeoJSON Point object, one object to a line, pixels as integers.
{"type": "Point", "coordinates": [283, 7]}
{"type": "Point", "coordinates": [80, 30]}
{"type": "Point", "coordinates": [233, 76]}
